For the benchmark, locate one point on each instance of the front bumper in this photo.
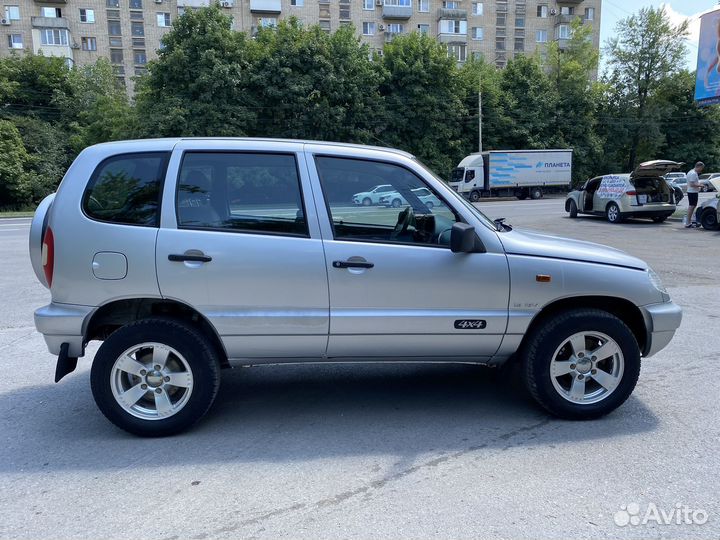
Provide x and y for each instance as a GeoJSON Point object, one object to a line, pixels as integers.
{"type": "Point", "coordinates": [63, 323]}
{"type": "Point", "coordinates": [661, 322]}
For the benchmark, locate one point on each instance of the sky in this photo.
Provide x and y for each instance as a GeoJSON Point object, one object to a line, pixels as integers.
{"type": "Point", "coordinates": [614, 10]}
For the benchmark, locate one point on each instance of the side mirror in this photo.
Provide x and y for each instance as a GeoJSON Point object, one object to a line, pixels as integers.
{"type": "Point", "coordinates": [462, 238]}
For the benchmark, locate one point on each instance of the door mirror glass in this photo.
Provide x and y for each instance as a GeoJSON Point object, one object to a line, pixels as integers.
{"type": "Point", "coordinates": [462, 238]}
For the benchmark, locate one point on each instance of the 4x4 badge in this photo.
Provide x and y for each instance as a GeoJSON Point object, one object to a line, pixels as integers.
{"type": "Point", "coordinates": [470, 324]}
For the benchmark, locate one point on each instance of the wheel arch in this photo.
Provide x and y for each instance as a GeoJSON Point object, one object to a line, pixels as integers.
{"type": "Point", "coordinates": [623, 309]}
{"type": "Point", "coordinates": [117, 313]}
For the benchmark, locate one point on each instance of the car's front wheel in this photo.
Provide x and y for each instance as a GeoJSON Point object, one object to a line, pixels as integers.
{"type": "Point", "coordinates": [581, 364]}
{"type": "Point", "coordinates": [366, 201]}
{"type": "Point", "coordinates": [155, 377]}
{"type": "Point", "coordinates": [573, 210]}
{"type": "Point", "coordinates": [709, 220]}
{"type": "Point", "coordinates": [613, 213]}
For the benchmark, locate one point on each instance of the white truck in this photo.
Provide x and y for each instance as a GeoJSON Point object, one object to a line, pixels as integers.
{"type": "Point", "coordinates": [512, 173]}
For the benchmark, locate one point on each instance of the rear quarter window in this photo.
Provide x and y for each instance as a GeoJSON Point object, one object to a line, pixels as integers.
{"type": "Point", "coordinates": [126, 189]}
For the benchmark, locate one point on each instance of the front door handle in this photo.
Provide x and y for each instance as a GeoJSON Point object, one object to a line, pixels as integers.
{"type": "Point", "coordinates": [189, 258]}
{"type": "Point", "coordinates": [352, 264]}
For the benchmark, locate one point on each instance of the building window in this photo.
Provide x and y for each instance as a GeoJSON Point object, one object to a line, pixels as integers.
{"type": "Point", "coordinates": [395, 28]}
{"type": "Point", "coordinates": [116, 56]}
{"type": "Point", "coordinates": [368, 5]}
{"type": "Point", "coordinates": [424, 29]}
{"type": "Point", "coordinates": [451, 4]}
{"type": "Point", "coordinates": [51, 12]}
{"type": "Point", "coordinates": [519, 22]}
{"type": "Point", "coordinates": [115, 42]}
{"type": "Point", "coordinates": [423, 6]}
{"type": "Point", "coordinates": [567, 10]}
{"type": "Point", "coordinates": [140, 70]}
{"type": "Point", "coordinates": [402, 3]}
{"type": "Point", "coordinates": [15, 41]}
{"type": "Point", "coordinates": [114, 28]}
{"type": "Point", "coordinates": [501, 19]}
{"type": "Point", "coordinates": [325, 26]}
{"type": "Point", "coordinates": [53, 36]}
{"type": "Point", "coordinates": [589, 14]}
{"type": "Point", "coordinates": [500, 44]}
{"type": "Point", "coordinates": [324, 11]}
{"type": "Point", "coordinates": [135, 4]}
{"type": "Point", "coordinates": [137, 29]}
{"type": "Point", "coordinates": [87, 15]}
{"type": "Point", "coordinates": [542, 12]}
{"type": "Point", "coordinates": [297, 3]}
{"type": "Point", "coordinates": [477, 33]}
{"type": "Point", "coordinates": [453, 27]}
{"type": "Point", "coordinates": [113, 13]}
{"type": "Point", "coordinates": [140, 58]}
{"type": "Point", "coordinates": [163, 19]}
{"type": "Point", "coordinates": [541, 36]}
{"type": "Point", "coordinates": [563, 31]}
{"type": "Point", "coordinates": [267, 22]}
{"type": "Point", "coordinates": [477, 8]}
{"type": "Point", "coordinates": [136, 15]}
{"type": "Point", "coordinates": [458, 52]}
{"type": "Point", "coordinates": [112, 3]}
{"type": "Point", "coordinates": [12, 13]}
{"type": "Point", "coordinates": [519, 44]}
{"type": "Point", "coordinates": [368, 29]}
{"type": "Point", "coordinates": [138, 43]}
{"type": "Point", "coordinates": [88, 44]}
{"type": "Point", "coordinates": [344, 10]}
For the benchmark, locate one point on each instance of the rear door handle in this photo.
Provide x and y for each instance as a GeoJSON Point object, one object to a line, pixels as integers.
{"type": "Point", "coordinates": [352, 264]}
{"type": "Point", "coordinates": [189, 258]}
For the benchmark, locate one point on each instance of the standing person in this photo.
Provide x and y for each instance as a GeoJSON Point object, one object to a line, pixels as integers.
{"type": "Point", "coordinates": [693, 188]}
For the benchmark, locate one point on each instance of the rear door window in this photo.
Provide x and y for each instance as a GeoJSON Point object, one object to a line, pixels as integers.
{"type": "Point", "coordinates": [241, 192]}
{"type": "Point", "coordinates": [126, 189]}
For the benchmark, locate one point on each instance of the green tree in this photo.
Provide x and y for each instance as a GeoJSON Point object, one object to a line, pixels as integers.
{"type": "Point", "coordinates": [198, 85]}
{"type": "Point", "coordinates": [315, 85]}
{"type": "Point", "coordinates": [646, 49]}
{"type": "Point", "coordinates": [423, 100]}
{"type": "Point", "coordinates": [13, 157]}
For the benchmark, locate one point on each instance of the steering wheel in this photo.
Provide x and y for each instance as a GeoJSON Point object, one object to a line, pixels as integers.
{"type": "Point", "coordinates": [405, 218]}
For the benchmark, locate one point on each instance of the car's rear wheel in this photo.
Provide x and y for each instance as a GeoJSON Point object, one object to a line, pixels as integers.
{"type": "Point", "coordinates": [613, 213]}
{"type": "Point", "coordinates": [474, 196]}
{"type": "Point", "coordinates": [536, 193]}
{"type": "Point", "coordinates": [582, 364]}
{"type": "Point", "coordinates": [709, 220]}
{"type": "Point", "coordinates": [155, 377]}
{"type": "Point", "coordinates": [396, 203]}
{"type": "Point", "coordinates": [366, 201]}
{"type": "Point", "coordinates": [573, 209]}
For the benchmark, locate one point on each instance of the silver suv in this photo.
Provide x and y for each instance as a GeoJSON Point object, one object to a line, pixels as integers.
{"type": "Point", "coordinates": [185, 256]}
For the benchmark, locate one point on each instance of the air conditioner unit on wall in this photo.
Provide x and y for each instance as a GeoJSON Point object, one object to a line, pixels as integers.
{"type": "Point", "coordinates": [381, 27]}
{"type": "Point", "coordinates": [553, 11]}
{"type": "Point", "coordinates": [74, 46]}
{"type": "Point", "coordinates": [378, 2]}
{"type": "Point", "coordinates": [5, 22]}
{"type": "Point", "coordinates": [158, 1]}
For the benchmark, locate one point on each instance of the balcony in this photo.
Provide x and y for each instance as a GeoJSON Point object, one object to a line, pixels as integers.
{"type": "Point", "coordinates": [389, 36]}
{"type": "Point", "coordinates": [44, 2]}
{"type": "Point", "coordinates": [265, 6]}
{"type": "Point", "coordinates": [49, 22]}
{"type": "Point", "coordinates": [563, 43]}
{"type": "Point", "coordinates": [452, 14]}
{"type": "Point", "coordinates": [193, 3]}
{"type": "Point", "coordinates": [452, 37]}
{"type": "Point", "coordinates": [397, 12]}
{"type": "Point", "coordinates": [565, 19]}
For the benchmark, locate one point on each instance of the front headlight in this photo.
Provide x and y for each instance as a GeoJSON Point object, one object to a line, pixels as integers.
{"type": "Point", "coordinates": [657, 283]}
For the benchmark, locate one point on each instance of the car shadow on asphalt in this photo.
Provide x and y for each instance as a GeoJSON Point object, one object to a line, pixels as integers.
{"type": "Point", "coordinates": [304, 412]}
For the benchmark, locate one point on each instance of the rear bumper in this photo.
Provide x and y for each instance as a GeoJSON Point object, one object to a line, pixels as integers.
{"type": "Point", "coordinates": [661, 322]}
{"type": "Point", "coordinates": [63, 323]}
{"type": "Point", "coordinates": [649, 211]}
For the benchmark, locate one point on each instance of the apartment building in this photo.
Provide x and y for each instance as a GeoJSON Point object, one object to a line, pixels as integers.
{"type": "Point", "coordinates": [129, 32]}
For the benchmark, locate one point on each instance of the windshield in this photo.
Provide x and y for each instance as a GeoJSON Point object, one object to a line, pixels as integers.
{"type": "Point", "coordinates": [457, 174]}
{"type": "Point", "coordinates": [482, 217]}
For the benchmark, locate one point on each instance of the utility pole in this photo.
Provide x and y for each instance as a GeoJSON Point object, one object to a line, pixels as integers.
{"type": "Point", "coordinates": [480, 109]}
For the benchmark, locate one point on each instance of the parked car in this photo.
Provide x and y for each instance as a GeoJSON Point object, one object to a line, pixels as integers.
{"type": "Point", "coordinates": [644, 193]}
{"type": "Point", "coordinates": [679, 178]}
{"type": "Point", "coordinates": [707, 211]}
{"type": "Point", "coordinates": [707, 185]}
{"type": "Point", "coordinates": [185, 268]}
{"type": "Point", "coordinates": [372, 196]}
{"type": "Point", "coordinates": [396, 200]}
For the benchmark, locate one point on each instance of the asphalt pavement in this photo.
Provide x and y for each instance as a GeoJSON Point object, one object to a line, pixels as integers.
{"type": "Point", "coordinates": [380, 451]}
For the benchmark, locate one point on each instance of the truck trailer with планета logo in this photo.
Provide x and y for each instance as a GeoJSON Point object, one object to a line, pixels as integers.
{"type": "Point", "coordinates": [513, 173]}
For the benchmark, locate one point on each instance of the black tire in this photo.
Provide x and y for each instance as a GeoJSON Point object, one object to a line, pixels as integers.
{"type": "Point", "coordinates": [396, 203]}
{"type": "Point", "coordinates": [198, 352]}
{"type": "Point", "coordinates": [536, 193]}
{"type": "Point", "coordinates": [474, 196]}
{"type": "Point", "coordinates": [708, 219]}
{"type": "Point", "coordinates": [541, 344]}
{"type": "Point", "coordinates": [573, 209]}
{"type": "Point", "coordinates": [612, 213]}
{"type": "Point", "coordinates": [659, 219]}
{"type": "Point", "coordinates": [366, 201]}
